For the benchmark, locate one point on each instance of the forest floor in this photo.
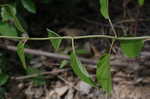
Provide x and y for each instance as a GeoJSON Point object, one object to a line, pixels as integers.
{"type": "Point", "coordinates": [131, 77]}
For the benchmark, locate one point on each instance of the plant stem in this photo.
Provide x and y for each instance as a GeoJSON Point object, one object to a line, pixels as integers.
{"type": "Point", "coordinates": [113, 29]}
{"type": "Point", "coordinates": [115, 34]}
{"type": "Point", "coordinates": [79, 37]}
{"type": "Point", "coordinates": [73, 47]}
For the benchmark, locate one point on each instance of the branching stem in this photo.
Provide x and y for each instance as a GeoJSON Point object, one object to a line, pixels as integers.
{"type": "Point", "coordinates": [115, 34]}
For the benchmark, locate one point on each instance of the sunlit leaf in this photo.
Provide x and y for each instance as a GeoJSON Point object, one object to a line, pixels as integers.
{"type": "Point", "coordinates": [29, 5]}
{"type": "Point", "coordinates": [20, 52]}
{"type": "Point", "coordinates": [38, 79]}
{"type": "Point", "coordinates": [103, 73]}
{"type": "Point", "coordinates": [55, 42]}
{"type": "Point", "coordinates": [3, 78]}
{"type": "Point", "coordinates": [131, 48]}
{"type": "Point", "coordinates": [141, 2]}
{"type": "Point", "coordinates": [104, 9]}
{"type": "Point", "coordinates": [80, 70]}
{"type": "Point", "coordinates": [7, 30]}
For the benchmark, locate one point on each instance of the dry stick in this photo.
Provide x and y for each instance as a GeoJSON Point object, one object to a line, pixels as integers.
{"type": "Point", "coordinates": [91, 63]}
{"type": "Point", "coordinates": [48, 54]}
{"type": "Point", "coordinates": [54, 72]}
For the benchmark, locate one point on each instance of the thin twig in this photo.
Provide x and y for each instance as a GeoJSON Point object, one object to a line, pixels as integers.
{"type": "Point", "coordinates": [130, 20]}
{"type": "Point", "coordinates": [54, 72]}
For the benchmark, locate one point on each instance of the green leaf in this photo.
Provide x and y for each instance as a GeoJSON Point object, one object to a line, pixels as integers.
{"type": "Point", "coordinates": [38, 79]}
{"type": "Point", "coordinates": [141, 2]}
{"type": "Point", "coordinates": [7, 30]}
{"type": "Point", "coordinates": [29, 5]}
{"type": "Point", "coordinates": [80, 70]}
{"type": "Point", "coordinates": [131, 48]}
{"type": "Point", "coordinates": [19, 25]}
{"type": "Point", "coordinates": [63, 63]}
{"type": "Point", "coordinates": [7, 12]}
{"type": "Point", "coordinates": [3, 78]}
{"type": "Point", "coordinates": [10, 9]}
{"type": "Point", "coordinates": [20, 52]}
{"type": "Point", "coordinates": [103, 73]}
{"type": "Point", "coordinates": [104, 9]}
{"type": "Point", "coordinates": [55, 42]}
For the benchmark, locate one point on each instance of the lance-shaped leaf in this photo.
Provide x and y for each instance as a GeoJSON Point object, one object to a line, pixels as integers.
{"type": "Point", "coordinates": [7, 30]}
{"type": "Point", "coordinates": [104, 9]}
{"type": "Point", "coordinates": [103, 73]}
{"type": "Point", "coordinates": [79, 70]}
{"type": "Point", "coordinates": [20, 52]}
{"type": "Point", "coordinates": [141, 2]}
{"type": "Point", "coordinates": [29, 5]}
{"type": "Point", "coordinates": [131, 48]}
{"type": "Point", "coordinates": [55, 42]}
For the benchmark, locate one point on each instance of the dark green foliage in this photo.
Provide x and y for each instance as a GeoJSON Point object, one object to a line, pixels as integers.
{"type": "Point", "coordinates": [11, 25]}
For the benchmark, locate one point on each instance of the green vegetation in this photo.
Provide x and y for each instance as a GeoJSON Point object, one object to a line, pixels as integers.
{"type": "Point", "coordinates": [11, 27]}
